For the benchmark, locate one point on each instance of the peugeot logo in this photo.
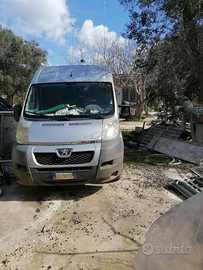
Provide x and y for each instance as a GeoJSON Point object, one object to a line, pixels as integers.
{"type": "Point", "coordinates": [64, 152]}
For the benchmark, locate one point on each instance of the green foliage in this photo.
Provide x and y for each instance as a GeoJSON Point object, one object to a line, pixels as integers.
{"type": "Point", "coordinates": [137, 118]}
{"type": "Point", "coordinates": [172, 32]}
{"type": "Point", "coordinates": [19, 60]}
{"type": "Point", "coordinates": [171, 69]}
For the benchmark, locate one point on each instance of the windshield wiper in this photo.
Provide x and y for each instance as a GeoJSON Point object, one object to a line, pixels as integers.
{"type": "Point", "coordinates": [97, 116]}
{"type": "Point", "coordinates": [89, 116]}
{"type": "Point", "coordinates": [39, 114]}
{"type": "Point", "coordinates": [59, 118]}
{"type": "Point", "coordinates": [54, 117]}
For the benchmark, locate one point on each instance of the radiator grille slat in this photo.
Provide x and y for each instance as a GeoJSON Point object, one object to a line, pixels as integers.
{"type": "Point", "coordinates": [75, 158]}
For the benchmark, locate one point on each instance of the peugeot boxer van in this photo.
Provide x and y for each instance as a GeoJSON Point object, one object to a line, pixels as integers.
{"type": "Point", "coordinates": [68, 131]}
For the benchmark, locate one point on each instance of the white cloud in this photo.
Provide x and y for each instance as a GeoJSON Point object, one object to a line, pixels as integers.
{"type": "Point", "coordinates": [36, 17]}
{"type": "Point", "coordinates": [121, 41]}
{"type": "Point", "coordinates": [94, 35]}
{"type": "Point", "coordinates": [91, 40]}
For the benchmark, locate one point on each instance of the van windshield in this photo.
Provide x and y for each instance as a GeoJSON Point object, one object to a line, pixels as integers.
{"type": "Point", "coordinates": [74, 99]}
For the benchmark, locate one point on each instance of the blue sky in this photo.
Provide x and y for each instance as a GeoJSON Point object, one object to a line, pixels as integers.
{"type": "Point", "coordinates": [57, 24]}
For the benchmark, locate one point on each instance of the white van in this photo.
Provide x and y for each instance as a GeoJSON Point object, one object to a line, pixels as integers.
{"type": "Point", "coordinates": [68, 131]}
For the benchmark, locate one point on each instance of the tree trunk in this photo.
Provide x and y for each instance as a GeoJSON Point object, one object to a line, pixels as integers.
{"type": "Point", "coordinates": [200, 98]}
{"type": "Point", "coordinates": [194, 43]}
{"type": "Point", "coordinates": [140, 107]}
{"type": "Point", "coordinates": [142, 102]}
{"type": "Point", "coordinates": [10, 99]}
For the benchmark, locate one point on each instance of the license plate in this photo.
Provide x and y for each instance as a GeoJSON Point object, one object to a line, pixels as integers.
{"type": "Point", "coordinates": [63, 176]}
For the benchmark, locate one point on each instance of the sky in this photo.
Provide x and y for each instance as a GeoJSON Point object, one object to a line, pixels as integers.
{"type": "Point", "coordinates": [60, 25]}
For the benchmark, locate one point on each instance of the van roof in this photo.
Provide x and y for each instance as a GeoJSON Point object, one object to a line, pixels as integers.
{"type": "Point", "coordinates": [74, 73]}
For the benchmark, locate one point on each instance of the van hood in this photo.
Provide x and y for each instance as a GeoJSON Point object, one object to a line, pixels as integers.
{"type": "Point", "coordinates": [71, 132]}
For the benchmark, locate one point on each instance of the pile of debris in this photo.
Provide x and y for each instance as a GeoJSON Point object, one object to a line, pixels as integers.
{"type": "Point", "coordinates": [167, 137]}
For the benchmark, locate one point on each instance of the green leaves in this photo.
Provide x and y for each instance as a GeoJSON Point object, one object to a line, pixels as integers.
{"type": "Point", "coordinates": [19, 60]}
{"type": "Point", "coordinates": [171, 30]}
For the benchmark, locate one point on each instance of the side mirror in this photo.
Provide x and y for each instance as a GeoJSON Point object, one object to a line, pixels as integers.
{"type": "Point", "coordinates": [17, 111]}
{"type": "Point", "coordinates": [125, 109]}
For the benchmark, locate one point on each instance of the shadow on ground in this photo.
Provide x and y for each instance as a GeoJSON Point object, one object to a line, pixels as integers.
{"type": "Point", "coordinates": [17, 192]}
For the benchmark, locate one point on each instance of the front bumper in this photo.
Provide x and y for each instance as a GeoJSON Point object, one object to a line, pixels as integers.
{"type": "Point", "coordinates": [105, 166]}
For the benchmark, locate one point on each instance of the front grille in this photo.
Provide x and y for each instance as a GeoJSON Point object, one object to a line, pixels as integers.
{"type": "Point", "coordinates": [75, 158]}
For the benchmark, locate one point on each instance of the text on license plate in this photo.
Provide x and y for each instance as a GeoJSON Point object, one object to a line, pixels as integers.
{"type": "Point", "coordinates": [61, 176]}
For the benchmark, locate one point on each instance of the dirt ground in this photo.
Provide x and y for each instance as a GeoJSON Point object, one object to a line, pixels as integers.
{"type": "Point", "coordinates": [84, 227]}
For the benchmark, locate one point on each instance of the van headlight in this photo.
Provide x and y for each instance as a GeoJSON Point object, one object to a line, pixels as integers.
{"type": "Point", "coordinates": [22, 131]}
{"type": "Point", "coordinates": [110, 128]}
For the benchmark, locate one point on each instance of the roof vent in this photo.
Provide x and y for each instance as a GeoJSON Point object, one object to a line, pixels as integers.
{"type": "Point", "coordinates": [82, 62]}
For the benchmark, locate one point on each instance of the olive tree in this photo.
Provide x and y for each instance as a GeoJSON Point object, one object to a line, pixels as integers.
{"type": "Point", "coordinates": [179, 24]}
{"type": "Point", "coordinates": [19, 59]}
